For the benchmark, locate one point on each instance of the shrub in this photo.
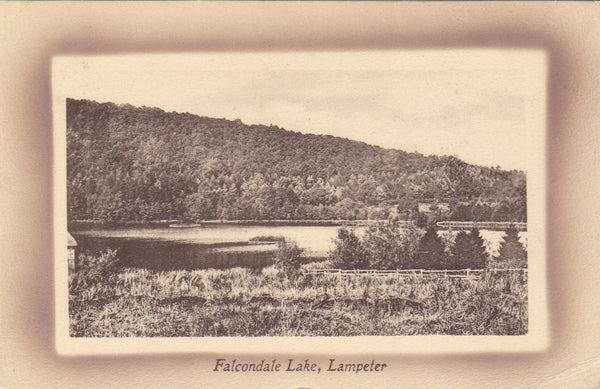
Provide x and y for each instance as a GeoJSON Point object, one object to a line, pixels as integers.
{"type": "Point", "coordinates": [349, 252]}
{"type": "Point", "coordinates": [287, 257]}
{"type": "Point", "coordinates": [386, 245]}
{"type": "Point", "coordinates": [390, 246]}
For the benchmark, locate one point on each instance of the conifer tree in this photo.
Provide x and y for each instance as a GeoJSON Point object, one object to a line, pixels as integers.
{"type": "Point", "coordinates": [479, 255]}
{"type": "Point", "coordinates": [430, 254]}
{"type": "Point", "coordinates": [460, 251]}
{"type": "Point", "coordinates": [511, 250]}
{"type": "Point", "coordinates": [468, 251]}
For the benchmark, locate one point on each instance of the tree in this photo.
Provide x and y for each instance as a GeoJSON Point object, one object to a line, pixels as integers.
{"type": "Point", "coordinates": [459, 252]}
{"type": "Point", "coordinates": [481, 212]}
{"type": "Point", "coordinates": [511, 250]}
{"type": "Point", "coordinates": [430, 253]}
{"type": "Point", "coordinates": [349, 252]}
{"type": "Point", "coordinates": [501, 212]}
{"type": "Point", "coordinates": [391, 246]}
{"type": "Point", "coordinates": [479, 255]}
{"type": "Point", "coordinates": [468, 251]}
{"type": "Point", "coordinates": [422, 219]}
{"type": "Point", "coordinates": [386, 245]}
{"type": "Point", "coordinates": [197, 207]}
{"type": "Point", "coordinates": [462, 213]}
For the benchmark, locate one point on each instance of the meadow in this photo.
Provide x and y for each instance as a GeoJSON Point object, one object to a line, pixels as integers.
{"type": "Point", "coordinates": [106, 300]}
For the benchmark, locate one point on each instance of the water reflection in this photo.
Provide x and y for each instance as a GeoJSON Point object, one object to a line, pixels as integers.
{"type": "Point", "coordinates": [174, 255]}
{"type": "Point", "coordinates": [210, 246]}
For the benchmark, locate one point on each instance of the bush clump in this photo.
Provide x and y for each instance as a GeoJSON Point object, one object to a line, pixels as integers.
{"type": "Point", "coordinates": [349, 252]}
{"type": "Point", "coordinates": [386, 245]}
{"type": "Point", "coordinates": [390, 246]}
{"type": "Point", "coordinates": [287, 258]}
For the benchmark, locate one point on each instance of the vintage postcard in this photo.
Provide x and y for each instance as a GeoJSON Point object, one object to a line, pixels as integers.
{"type": "Point", "coordinates": [348, 202]}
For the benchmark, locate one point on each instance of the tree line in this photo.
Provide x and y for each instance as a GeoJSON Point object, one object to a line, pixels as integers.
{"type": "Point", "coordinates": [144, 164]}
{"type": "Point", "coordinates": [389, 246]}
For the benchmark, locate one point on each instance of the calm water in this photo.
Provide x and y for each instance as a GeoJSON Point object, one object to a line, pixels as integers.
{"type": "Point", "coordinates": [217, 246]}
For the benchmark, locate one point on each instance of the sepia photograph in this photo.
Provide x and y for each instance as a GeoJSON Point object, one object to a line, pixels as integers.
{"type": "Point", "coordinates": [384, 196]}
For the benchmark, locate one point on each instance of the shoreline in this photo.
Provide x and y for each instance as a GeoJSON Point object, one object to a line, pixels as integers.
{"type": "Point", "coordinates": [179, 224]}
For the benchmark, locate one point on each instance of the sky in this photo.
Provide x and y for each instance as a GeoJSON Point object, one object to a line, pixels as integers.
{"type": "Point", "coordinates": [484, 106]}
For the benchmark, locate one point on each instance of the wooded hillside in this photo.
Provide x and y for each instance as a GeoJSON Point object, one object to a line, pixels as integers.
{"type": "Point", "coordinates": [139, 164]}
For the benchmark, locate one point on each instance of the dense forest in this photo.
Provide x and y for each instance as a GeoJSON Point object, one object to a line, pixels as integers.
{"type": "Point", "coordinates": [143, 164]}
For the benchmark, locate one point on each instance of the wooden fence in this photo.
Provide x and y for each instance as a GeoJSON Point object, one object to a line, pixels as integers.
{"type": "Point", "coordinates": [464, 273]}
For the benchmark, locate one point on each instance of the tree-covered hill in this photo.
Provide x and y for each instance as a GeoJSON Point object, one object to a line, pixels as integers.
{"type": "Point", "coordinates": [139, 164]}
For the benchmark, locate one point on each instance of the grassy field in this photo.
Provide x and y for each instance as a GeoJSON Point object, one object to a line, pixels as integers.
{"type": "Point", "coordinates": [107, 301]}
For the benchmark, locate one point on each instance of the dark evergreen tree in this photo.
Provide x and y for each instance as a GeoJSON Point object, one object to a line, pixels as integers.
{"type": "Point", "coordinates": [459, 252]}
{"type": "Point", "coordinates": [479, 255]}
{"type": "Point", "coordinates": [511, 249]}
{"type": "Point", "coordinates": [430, 253]}
{"type": "Point", "coordinates": [468, 251]}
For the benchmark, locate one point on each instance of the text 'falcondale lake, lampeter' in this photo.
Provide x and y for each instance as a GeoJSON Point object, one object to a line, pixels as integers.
{"type": "Point", "coordinates": [292, 365]}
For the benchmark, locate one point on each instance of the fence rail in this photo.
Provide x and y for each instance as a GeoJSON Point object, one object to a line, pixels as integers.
{"type": "Point", "coordinates": [464, 273]}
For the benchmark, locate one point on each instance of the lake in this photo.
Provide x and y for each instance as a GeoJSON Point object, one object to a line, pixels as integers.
{"type": "Point", "coordinates": [211, 245]}
{"type": "Point", "coordinates": [218, 246]}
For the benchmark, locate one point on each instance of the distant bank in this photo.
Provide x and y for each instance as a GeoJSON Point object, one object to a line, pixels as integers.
{"type": "Point", "coordinates": [308, 223]}
{"type": "Point", "coordinates": [180, 224]}
{"type": "Point", "coordinates": [442, 225]}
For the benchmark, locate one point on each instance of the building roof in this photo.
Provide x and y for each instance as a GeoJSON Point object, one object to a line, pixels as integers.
{"type": "Point", "coordinates": [71, 242]}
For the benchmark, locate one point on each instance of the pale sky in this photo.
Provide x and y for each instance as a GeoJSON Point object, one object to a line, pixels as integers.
{"type": "Point", "coordinates": [484, 106]}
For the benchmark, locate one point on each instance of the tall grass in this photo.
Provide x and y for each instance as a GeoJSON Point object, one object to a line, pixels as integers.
{"type": "Point", "coordinates": [108, 301]}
